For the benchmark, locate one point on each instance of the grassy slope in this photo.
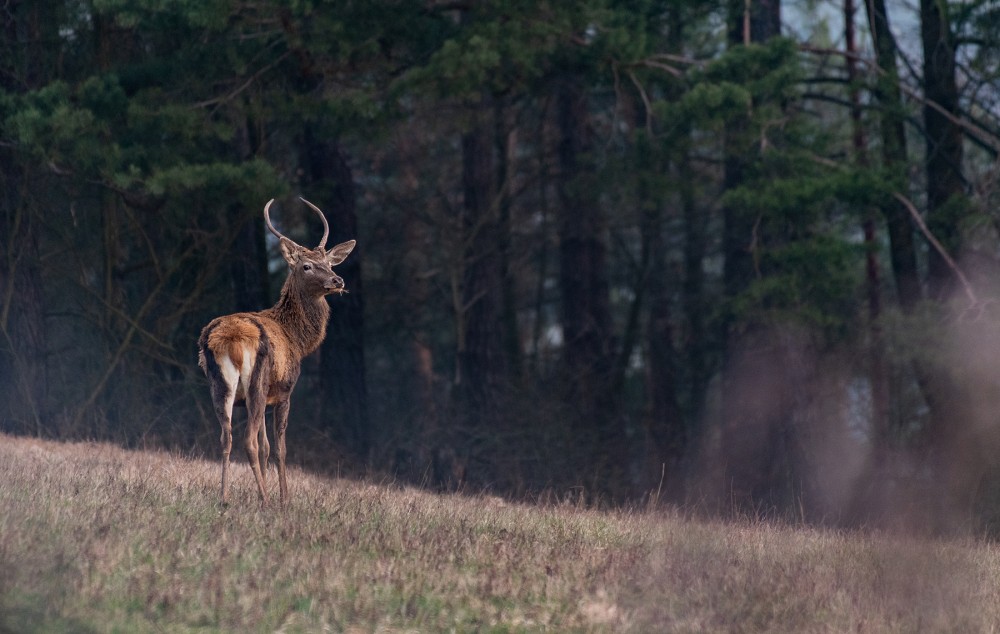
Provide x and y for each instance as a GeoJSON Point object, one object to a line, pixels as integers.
{"type": "Point", "coordinates": [94, 538]}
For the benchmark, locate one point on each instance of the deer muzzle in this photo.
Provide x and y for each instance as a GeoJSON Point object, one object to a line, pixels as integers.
{"type": "Point", "coordinates": [336, 285]}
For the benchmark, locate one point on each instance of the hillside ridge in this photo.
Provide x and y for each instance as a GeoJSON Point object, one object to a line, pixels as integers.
{"type": "Point", "coordinates": [98, 538]}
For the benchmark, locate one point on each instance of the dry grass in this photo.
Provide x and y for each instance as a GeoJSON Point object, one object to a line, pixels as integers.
{"type": "Point", "coordinates": [94, 538]}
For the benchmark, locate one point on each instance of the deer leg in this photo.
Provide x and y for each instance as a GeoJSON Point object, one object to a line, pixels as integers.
{"type": "Point", "coordinates": [255, 418]}
{"type": "Point", "coordinates": [226, 441]}
{"type": "Point", "coordinates": [280, 424]}
{"type": "Point", "coordinates": [223, 391]}
{"type": "Point", "coordinates": [263, 449]}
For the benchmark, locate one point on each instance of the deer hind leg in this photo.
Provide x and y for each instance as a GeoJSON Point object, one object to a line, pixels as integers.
{"type": "Point", "coordinates": [256, 401]}
{"type": "Point", "coordinates": [263, 449]}
{"type": "Point", "coordinates": [280, 425]}
{"type": "Point", "coordinates": [223, 389]}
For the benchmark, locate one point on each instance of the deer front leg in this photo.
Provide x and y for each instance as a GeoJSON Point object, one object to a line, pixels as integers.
{"type": "Point", "coordinates": [280, 425]}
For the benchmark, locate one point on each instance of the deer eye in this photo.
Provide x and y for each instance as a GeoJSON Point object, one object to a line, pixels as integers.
{"type": "Point", "coordinates": [307, 267]}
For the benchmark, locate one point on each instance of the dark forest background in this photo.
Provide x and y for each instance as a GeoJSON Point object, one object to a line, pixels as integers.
{"type": "Point", "coordinates": [652, 251]}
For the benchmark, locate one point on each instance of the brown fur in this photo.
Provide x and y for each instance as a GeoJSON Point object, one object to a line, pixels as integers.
{"type": "Point", "coordinates": [229, 337]}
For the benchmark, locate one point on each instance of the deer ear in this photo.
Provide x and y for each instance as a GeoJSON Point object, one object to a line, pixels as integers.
{"type": "Point", "coordinates": [339, 253]}
{"type": "Point", "coordinates": [290, 251]}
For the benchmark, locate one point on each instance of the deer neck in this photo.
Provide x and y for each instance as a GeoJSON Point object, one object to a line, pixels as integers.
{"type": "Point", "coordinates": [303, 317]}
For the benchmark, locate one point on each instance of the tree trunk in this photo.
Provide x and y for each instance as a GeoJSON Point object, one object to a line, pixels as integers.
{"type": "Point", "coordinates": [902, 248]}
{"type": "Point", "coordinates": [23, 350]}
{"type": "Point", "coordinates": [945, 185]}
{"type": "Point", "coordinates": [749, 23]}
{"type": "Point", "coordinates": [248, 260]}
{"type": "Point", "coordinates": [24, 381]}
{"type": "Point", "coordinates": [481, 360]}
{"type": "Point", "coordinates": [342, 354]}
{"type": "Point", "coordinates": [506, 148]}
{"type": "Point", "coordinates": [877, 365]}
{"type": "Point", "coordinates": [583, 282]}
{"type": "Point", "coordinates": [955, 437]}
{"type": "Point", "coordinates": [417, 384]}
{"type": "Point", "coordinates": [696, 306]}
{"type": "Point", "coordinates": [248, 257]}
{"type": "Point", "coordinates": [750, 428]}
{"type": "Point", "coordinates": [665, 423]}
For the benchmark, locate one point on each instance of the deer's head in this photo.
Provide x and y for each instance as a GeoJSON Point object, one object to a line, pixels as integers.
{"type": "Point", "coordinates": [312, 269]}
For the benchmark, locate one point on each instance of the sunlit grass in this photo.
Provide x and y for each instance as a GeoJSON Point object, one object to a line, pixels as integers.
{"type": "Point", "coordinates": [101, 539]}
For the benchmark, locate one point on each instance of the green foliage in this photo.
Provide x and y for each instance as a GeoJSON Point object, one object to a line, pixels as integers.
{"type": "Point", "coordinates": [707, 104]}
{"type": "Point", "coordinates": [50, 126]}
{"type": "Point", "coordinates": [104, 96]}
{"type": "Point", "coordinates": [184, 179]}
{"type": "Point", "coordinates": [770, 71]}
{"type": "Point", "coordinates": [96, 132]}
{"type": "Point", "coordinates": [979, 22]}
{"type": "Point", "coordinates": [795, 189]}
{"type": "Point", "coordinates": [461, 66]}
{"type": "Point", "coordinates": [811, 282]}
{"type": "Point", "coordinates": [504, 47]}
{"type": "Point", "coordinates": [805, 264]}
{"type": "Point", "coordinates": [747, 83]}
{"type": "Point", "coordinates": [208, 14]}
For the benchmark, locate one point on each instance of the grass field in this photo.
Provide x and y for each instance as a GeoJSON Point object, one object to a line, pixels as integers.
{"type": "Point", "coordinates": [96, 538]}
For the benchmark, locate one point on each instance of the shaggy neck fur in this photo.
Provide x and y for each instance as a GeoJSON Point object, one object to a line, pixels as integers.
{"type": "Point", "coordinates": [303, 316]}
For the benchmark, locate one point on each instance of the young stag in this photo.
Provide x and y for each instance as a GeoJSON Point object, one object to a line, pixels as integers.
{"type": "Point", "coordinates": [255, 358]}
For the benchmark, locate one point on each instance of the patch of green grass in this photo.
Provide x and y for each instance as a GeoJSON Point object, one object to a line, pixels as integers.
{"type": "Point", "coordinates": [94, 538]}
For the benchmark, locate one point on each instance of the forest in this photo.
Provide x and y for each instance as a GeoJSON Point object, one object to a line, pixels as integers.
{"type": "Point", "coordinates": [734, 256]}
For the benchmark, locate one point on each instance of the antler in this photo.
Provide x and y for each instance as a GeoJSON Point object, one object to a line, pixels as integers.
{"type": "Point", "coordinates": [267, 219]}
{"type": "Point", "coordinates": [326, 226]}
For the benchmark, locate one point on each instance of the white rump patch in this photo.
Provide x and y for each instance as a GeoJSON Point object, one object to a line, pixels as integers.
{"type": "Point", "coordinates": [248, 358]}
{"type": "Point", "coordinates": [237, 380]}
{"type": "Point", "coordinates": [231, 376]}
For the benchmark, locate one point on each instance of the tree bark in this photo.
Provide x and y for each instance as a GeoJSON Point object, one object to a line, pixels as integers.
{"type": "Point", "coordinates": [24, 380]}
{"type": "Point", "coordinates": [342, 355]}
{"type": "Point", "coordinates": [665, 422]}
{"type": "Point", "coordinates": [506, 147]}
{"type": "Point", "coordinates": [877, 365]}
{"type": "Point", "coordinates": [248, 260]}
{"type": "Point", "coordinates": [23, 351]}
{"type": "Point", "coordinates": [945, 184]}
{"type": "Point", "coordinates": [586, 315]}
{"type": "Point", "coordinates": [749, 23]}
{"type": "Point", "coordinates": [902, 248]}
{"type": "Point", "coordinates": [752, 456]}
{"type": "Point", "coordinates": [482, 364]}
{"type": "Point", "coordinates": [954, 437]}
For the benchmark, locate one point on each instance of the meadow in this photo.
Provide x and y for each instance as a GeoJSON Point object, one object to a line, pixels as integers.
{"type": "Point", "coordinates": [94, 538]}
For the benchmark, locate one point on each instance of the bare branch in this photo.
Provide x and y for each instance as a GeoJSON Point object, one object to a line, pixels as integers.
{"type": "Point", "coordinates": [975, 131]}
{"type": "Point", "coordinates": [645, 101]}
{"type": "Point", "coordinates": [969, 292]}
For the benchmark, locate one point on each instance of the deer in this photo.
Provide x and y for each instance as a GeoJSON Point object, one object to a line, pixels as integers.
{"type": "Point", "coordinates": [255, 358]}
